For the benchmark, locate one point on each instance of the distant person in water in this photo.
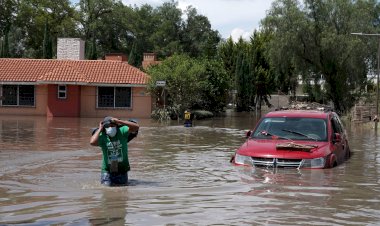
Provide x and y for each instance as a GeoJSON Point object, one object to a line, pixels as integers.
{"type": "Point", "coordinates": [113, 136]}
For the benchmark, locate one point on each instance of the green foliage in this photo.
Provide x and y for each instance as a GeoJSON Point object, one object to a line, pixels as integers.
{"type": "Point", "coordinates": [165, 36]}
{"type": "Point", "coordinates": [261, 71]}
{"type": "Point", "coordinates": [181, 74]}
{"type": "Point", "coordinates": [190, 83]}
{"type": "Point", "coordinates": [7, 15]}
{"type": "Point", "coordinates": [30, 19]}
{"type": "Point", "coordinates": [254, 78]}
{"type": "Point", "coordinates": [4, 51]}
{"type": "Point", "coordinates": [161, 114]}
{"type": "Point", "coordinates": [114, 26]}
{"type": "Point", "coordinates": [227, 52]}
{"type": "Point", "coordinates": [136, 55]}
{"type": "Point", "coordinates": [198, 39]}
{"type": "Point", "coordinates": [314, 40]}
{"type": "Point", "coordinates": [47, 44]}
{"type": "Point", "coordinates": [213, 87]}
{"type": "Point", "coordinates": [244, 81]}
{"type": "Point", "coordinates": [91, 52]}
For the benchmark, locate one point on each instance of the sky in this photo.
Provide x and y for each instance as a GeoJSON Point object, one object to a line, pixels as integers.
{"type": "Point", "coordinates": [236, 18]}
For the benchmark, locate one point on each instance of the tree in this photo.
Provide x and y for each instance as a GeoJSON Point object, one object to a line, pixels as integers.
{"type": "Point", "coordinates": [181, 74]}
{"type": "Point", "coordinates": [30, 22]}
{"type": "Point", "coordinates": [7, 15]}
{"type": "Point", "coordinates": [91, 16]}
{"type": "Point", "coordinates": [198, 39]}
{"type": "Point", "coordinates": [244, 78]}
{"type": "Point", "coordinates": [214, 86]}
{"type": "Point", "coordinates": [5, 46]}
{"type": "Point", "coordinates": [136, 55]}
{"type": "Point", "coordinates": [166, 37]}
{"type": "Point", "coordinates": [260, 69]}
{"type": "Point", "coordinates": [313, 40]}
{"type": "Point", "coordinates": [190, 83]}
{"type": "Point", "coordinates": [47, 45]}
{"type": "Point", "coordinates": [226, 52]}
{"type": "Point", "coordinates": [114, 29]}
{"type": "Point", "coordinates": [91, 50]}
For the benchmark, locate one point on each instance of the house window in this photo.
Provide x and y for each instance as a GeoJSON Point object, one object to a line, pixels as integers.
{"type": "Point", "coordinates": [18, 95]}
{"type": "Point", "coordinates": [114, 97]}
{"type": "Point", "coordinates": [62, 90]}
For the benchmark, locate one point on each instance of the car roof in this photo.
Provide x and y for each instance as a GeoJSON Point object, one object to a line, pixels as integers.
{"type": "Point", "coordinates": [298, 113]}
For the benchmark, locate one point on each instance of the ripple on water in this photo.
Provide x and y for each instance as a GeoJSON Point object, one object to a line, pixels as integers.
{"type": "Point", "coordinates": [179, 176]}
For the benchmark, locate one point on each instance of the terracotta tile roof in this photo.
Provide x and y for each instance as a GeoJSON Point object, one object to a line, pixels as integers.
{"type": "Point", "coordinates": [70, 71]}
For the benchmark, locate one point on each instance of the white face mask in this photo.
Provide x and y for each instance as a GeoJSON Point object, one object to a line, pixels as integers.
{"type": "Point", "coordinates": [111, 131]}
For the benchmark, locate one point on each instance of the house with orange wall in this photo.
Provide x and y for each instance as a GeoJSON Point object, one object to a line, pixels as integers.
{"type": "Point", "coordinates": [72, 87]}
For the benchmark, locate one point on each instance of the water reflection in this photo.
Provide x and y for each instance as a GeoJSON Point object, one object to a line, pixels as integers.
{"type": "Point", "coordinates": [112, 208]}
{"type": "Point", "coordinates": [16, 131]}
{"type": "Point", "coordinates": [49, 175]}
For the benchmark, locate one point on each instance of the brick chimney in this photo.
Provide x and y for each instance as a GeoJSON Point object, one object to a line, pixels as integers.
{"type": "Point", "coordinates": [70, 49]}
{"type": "Point", "coordinates": [116, 57]}
{"type": "Point", "coordinates": [149, 59]}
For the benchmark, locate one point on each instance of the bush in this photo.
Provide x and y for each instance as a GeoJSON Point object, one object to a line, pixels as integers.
{"type": "Point", "coordinates": [202, 114]}
{"type": "Point", "coordinates": [161, 114]}
{"type": "Point", "coordinates": [170, 112]}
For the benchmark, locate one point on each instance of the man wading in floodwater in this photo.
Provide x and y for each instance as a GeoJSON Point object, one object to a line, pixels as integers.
{"type": "Point", "coordinates": [112, 137]}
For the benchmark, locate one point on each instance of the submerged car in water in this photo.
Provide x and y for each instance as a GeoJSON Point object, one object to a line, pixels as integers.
{"type": "Point", "coordinates": [295, 139]}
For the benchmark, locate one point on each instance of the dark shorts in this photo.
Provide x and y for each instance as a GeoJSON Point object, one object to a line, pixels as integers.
{"type": "Point", "coordinates": [113, 179]}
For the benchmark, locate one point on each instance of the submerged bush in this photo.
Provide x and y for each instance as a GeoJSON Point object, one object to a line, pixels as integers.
{"type": "Point", "coordinates": [202, 114]}
{"type": "Point", "coordinates": [160, 114]}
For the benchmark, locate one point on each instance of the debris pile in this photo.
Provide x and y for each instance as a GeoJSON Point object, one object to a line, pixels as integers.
{"type": "Point", "coordinates": [307, 106]}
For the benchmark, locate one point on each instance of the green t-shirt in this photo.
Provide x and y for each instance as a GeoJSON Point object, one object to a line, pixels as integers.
{"type": "Point", "coordinates": [118, 149]}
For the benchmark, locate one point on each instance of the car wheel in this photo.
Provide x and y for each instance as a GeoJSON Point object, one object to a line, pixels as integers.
{"type": "Point", "coordinates": [332, 161]}
{"type": "Point", "coordinates": [348, 152]}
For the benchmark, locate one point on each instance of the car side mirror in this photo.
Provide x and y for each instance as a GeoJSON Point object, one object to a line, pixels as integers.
{"type": "Point", "coordinates": [337, 138]}
{"type": "Point", "coordinates": [248, 134]}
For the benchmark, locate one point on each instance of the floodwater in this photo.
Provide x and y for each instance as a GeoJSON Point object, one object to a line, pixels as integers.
{"type": "Point", "coordinates": [49, 175]}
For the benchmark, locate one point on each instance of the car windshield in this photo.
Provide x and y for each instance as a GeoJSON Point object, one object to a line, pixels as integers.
{"type": "Point", "coordinates": [292, 129]}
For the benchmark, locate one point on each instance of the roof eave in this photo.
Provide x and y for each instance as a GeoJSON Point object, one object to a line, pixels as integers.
{"type": "Point", "coordinates": [117, 84]}
{"type": "Point", "coordinates": [72, 83]}
{"type": "Point", "coordinates": [17, 83]}
{"type": "Point", "coordinates": [61, 83]}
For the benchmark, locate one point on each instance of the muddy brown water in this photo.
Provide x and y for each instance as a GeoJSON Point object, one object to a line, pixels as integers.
{"type": "Point", "coordinates": [49, 175]}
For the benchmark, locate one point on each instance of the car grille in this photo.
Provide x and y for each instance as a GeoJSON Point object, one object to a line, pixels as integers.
{"type": "Point", "coordinates": [276, 162]}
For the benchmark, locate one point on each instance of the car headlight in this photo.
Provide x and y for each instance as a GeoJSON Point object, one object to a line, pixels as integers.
{"type": "Point", "coordinates": [313, 163]}
{"type": "Point", "coordinates": [243, 160]}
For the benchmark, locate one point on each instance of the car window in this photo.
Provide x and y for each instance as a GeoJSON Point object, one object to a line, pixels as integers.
{"type": "Point", "coordinates": [336, 126]}
{"type": "Point", "coordinates": [292, 128]}
{"type": "Point", "coordinates": [339, 123]}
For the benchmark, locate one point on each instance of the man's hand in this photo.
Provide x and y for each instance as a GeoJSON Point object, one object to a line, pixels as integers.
{"type": "Point", "coordinates": [100, 125]}
{"type": "Point", "coordinates": [95, 137]}
{"type": "Point", "coordinates": [133, 127]}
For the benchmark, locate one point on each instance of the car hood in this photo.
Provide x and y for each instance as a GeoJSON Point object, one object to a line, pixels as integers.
{"type": "Point", "coordinates": [264, 148]}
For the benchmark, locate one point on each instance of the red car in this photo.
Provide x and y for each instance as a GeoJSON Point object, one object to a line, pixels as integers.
{"type": "Point", "coordinates": [295, 139]}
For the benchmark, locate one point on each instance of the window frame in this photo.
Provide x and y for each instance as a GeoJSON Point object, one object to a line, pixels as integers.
{"type": "Point", "coordinates": [62, 92]}
{"type": "Point", "coordinates": [114, 96]}
{"type": "Point", "coordinates": [17, 96]}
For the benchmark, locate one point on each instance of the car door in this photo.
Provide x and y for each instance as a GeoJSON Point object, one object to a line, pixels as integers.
{"type": "Point", "coordinates": [339, 144]}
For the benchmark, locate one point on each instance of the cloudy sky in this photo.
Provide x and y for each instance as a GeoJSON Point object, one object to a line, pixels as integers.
{"type": "Point", "coordinates": [230, 17]}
